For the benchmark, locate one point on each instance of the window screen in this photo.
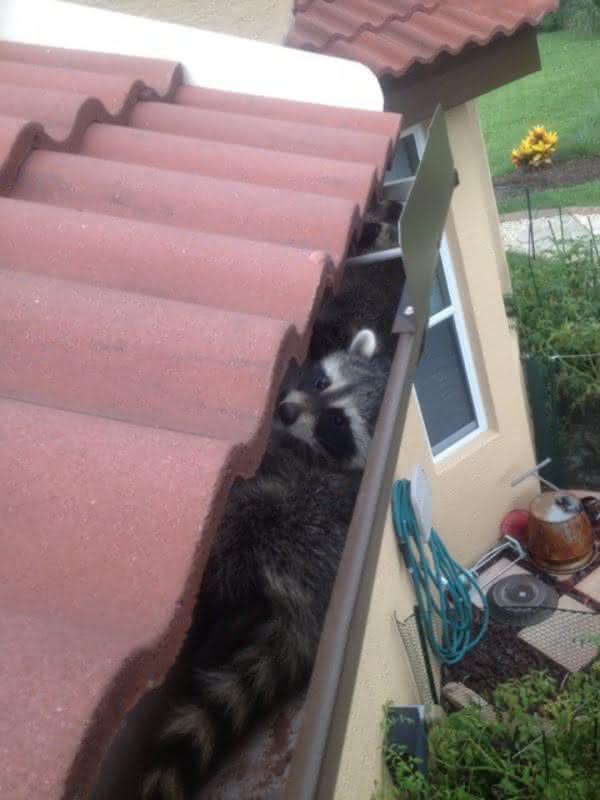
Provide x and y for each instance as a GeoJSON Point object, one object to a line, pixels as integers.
{"type": "Point", "coordinates": [443, 389]}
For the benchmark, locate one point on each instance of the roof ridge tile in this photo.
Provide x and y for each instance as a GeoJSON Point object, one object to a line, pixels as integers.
{"type": "Point", "coordinates": [326, 13]}
{"type": "Point", "coordinates": [315, 29]}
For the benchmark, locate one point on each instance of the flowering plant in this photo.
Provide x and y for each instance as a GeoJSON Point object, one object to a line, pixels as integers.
{"type": "Point", "coordinates": [537, 149]}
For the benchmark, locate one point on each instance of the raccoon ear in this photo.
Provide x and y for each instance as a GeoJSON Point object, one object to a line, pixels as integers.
{"type": "Point", "coordinates": [364, 344]}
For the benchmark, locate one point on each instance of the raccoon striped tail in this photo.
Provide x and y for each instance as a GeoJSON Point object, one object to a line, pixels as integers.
{"type": "Point", "coordinates": [228, 700]}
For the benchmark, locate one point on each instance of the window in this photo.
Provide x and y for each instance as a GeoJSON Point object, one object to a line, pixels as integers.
{"type": "Point", "coordinates": [446, 382]}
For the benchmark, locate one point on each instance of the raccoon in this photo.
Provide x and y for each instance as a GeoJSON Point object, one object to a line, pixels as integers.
{"type": "Point", "coordinates": [370, 293]}
{"type": "Point", "coordinates": [334, 405]}
{"type": "Point", "coordinates": [380, 228]}
{"type": "Point", "coordinates": [273, 565]}
{"type": "Point", "coordinates": [369, 297]}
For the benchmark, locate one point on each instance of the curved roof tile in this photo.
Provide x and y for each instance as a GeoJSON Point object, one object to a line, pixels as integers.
{"type": "Point", "coordinates": [391, 37]}
{"type": "Point", "coordinates": [156, 277]}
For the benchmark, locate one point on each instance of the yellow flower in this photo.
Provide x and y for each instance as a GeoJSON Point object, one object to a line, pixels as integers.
{"type": "Point", "coordinates": [536, 148]}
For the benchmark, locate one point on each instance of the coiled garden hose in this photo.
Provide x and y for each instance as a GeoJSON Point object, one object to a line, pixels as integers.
{"type": "Point", "coordinates": [442, 586]}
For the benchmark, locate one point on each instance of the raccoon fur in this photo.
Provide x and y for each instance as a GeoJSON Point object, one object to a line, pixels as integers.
{"type": "Point", "coordinates": [273, 565]}
{"type": "Point", "coordinates": [368, 298]}
{"type": "Point", "coordinates": [370, 293]}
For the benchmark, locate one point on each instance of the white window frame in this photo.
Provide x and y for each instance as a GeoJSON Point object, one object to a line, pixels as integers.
{"type": "Point", "coordinates": [455, 310]}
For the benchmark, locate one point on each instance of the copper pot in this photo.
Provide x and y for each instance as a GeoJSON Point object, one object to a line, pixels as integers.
{"type": "Point", "coordinates": [559, 537]}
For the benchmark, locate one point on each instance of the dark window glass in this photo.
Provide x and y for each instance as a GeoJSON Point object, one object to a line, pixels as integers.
{"type": "Point", "coordinates": [442, 387]}
{"type": "Point", "coordinates": [405, 161]}
{"type": "Point", "coordinates": [440, 298]}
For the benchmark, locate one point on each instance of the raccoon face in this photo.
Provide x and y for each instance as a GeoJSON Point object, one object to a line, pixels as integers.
{"type": "Point", "coordinates": [334, 404]}
{"type": "Point", "coordinates": [380, 228]}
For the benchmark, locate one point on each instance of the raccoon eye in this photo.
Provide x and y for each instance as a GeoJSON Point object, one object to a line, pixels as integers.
{"type": "Point", "coordinates": [339, 419]}
{"type": "Point", "coordinates": [322, 383]}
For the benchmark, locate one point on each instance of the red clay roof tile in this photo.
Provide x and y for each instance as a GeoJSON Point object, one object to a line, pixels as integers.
{"type": "Point", "coordinates": [156, 278]}
{"type": "Point", "coordinates": [16, 140]}
{"type": "Point", "coordinates": [198, 202]}
{"type": "Point", "coordinates": [216, 159]}
{"type": "Point", "coordinates": [390, 37]}
{"type": "Point", "coordinates": [159, 78]}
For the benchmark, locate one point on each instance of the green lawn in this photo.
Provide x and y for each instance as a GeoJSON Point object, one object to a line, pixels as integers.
{"type": "Point", "coordinates": [564, 96]}
{"type": "Point", "coordinates": [585, 194]}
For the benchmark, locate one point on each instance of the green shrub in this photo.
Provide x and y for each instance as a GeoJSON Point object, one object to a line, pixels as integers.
{"type": "Point", "coordinates": [552, 22]}
{"type": "Point", "coordinates": [511, 756]}
{"type": "Point", "coordinates": [555, 304]}
{"type": "Point", "coordinates": [583, 16]}
{"type": "Point", "coordinates": [580, 15]}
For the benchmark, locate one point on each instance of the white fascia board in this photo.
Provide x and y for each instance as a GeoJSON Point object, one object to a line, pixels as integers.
{"type": "Point", "coordinates": [214, 60]}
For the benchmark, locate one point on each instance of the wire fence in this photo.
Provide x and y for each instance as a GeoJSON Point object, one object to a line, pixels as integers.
{"type": "Point", "coordinates": [424, 666]}
{"type": "Point", "coordinates": [565, 429]}
{"type": "Point", "coordinates": [568, 434]}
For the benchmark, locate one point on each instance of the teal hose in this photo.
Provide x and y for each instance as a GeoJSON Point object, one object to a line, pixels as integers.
{"type": "Point", "coordinates": [442, 586]}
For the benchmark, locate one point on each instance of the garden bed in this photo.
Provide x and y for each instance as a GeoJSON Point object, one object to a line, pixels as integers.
{"type": "Point", "coordinates": [562, 173]}
{"type": "Point", "coordinates": [538, 737]}
{"type": "Point", "coordinates": [499, 657]}
{"type": "Point", "coordinates": [502, 655]}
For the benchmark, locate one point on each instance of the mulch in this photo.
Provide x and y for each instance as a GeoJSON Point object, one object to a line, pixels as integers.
{"type": "Point", "coordinates": [500, 656]}
{"type": "Point", "coordinates": [562, 173]}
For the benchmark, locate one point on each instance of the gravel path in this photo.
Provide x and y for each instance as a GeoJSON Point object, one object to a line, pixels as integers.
{"type": "Point", "coordinates": [547, 225]}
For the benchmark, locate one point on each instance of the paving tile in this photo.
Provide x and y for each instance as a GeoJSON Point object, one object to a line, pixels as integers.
{"type": "Point", "coordinates": [460, 696]}
{"type": "Point", "coordinates": [562, 637]}
{"type": "Point", "coordinates": [590, 585]}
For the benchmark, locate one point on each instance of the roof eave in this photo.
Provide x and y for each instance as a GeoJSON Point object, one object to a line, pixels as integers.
{"type": "Point", "coordinates": [452, 80]}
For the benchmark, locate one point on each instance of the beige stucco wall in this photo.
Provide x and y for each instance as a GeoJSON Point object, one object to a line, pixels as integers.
{"type": "Point", "coordinates": [265, 20]}
{"type": "Point", "coordinates": [471, 490]}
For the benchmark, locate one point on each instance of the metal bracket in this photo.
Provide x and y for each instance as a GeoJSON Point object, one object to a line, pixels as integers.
{"type": "Point", "coordinates": [406, 318]}
{"type": "Point", "coordinates": [375, 257]}
{"type": "Point", "coordinates": [534, 473]}
{"type": "Point", "coordinates": [508, 542]}
{"type": "Point", "coordinates": [397, 190]}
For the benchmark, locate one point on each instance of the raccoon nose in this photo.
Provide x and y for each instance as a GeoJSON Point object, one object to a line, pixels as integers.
{"type": "Point", "coordinates": [289, 412]}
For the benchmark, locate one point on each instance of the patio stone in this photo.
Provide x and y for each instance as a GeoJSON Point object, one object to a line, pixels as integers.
{"type": "Point", "coordinates": [559, 636]}
{"type": "Point", "coordinates": [460, 696]}
{"type": "Point", "coordinates": [590, 585]}
{"type": "Point", "coordinates": [575, 226]}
